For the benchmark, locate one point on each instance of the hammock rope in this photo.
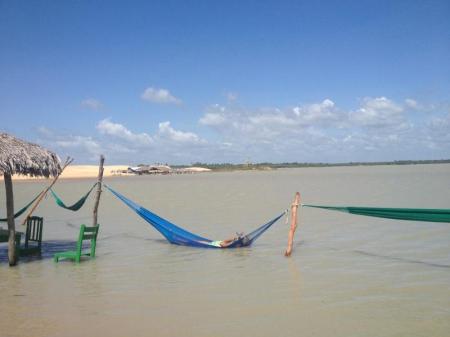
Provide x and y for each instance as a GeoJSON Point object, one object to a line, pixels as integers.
{"type": "Point", "coordinates": [76, 206]}
{"type": "Point", "coordinates": [412, 214]}
{"type": "Point", "coordinates": [179, 236]}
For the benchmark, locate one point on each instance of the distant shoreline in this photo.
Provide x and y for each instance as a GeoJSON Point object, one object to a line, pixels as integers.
{"type": "Point", "coordinates": [273, 166]}
{"type": "Point", "coordinates": [91, 171]}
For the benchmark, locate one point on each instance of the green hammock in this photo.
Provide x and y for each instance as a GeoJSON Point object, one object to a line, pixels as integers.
{"type": "Point", "coordinates": [414, 214]}
{"type": "Point", "coordinates": [20, 212]}
{"type": "Point", "coordinates": [76, 206]}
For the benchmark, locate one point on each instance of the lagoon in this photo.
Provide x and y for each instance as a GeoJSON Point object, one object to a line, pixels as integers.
{"type": "Point", "coordinates": [348, 275]}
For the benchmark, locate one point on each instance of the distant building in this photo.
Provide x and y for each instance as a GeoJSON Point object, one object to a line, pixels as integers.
{"type": "Point", "coordinates": [150, 169]}
{"type": "Point", "coordinates": [164, 169]}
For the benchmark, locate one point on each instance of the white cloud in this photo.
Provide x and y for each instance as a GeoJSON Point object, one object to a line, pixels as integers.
{"type": "Point", "coordinates": [410, 103]}
{"type": "Point", "coordinates": [85, 143]}
{"type": "Point", "coordinates": [324, 112]}
{"type": "Point", "coordinates": [437, 133]}
{"type": "Point", "coordinates": [158, 95]}
{"type": "Point", "coordinates": [272, 120]}
{"type": "Point", "coordinates": [106, 127]}
{"type": "Point", "coordinates": [92, 104]}
{"type": "Point", "coordinates": [43, 131]}
{"type": "Point", "coordinates": [378, 112]}
{"type": "Point", "coordinates": [315, 110]}
{"type": "Point", "coordinates": [440, 123]}
{"type": "Point", "coordinates": [81, 148]}
{"type": "Point", "coordinates": [323, 132]}
{"type": "Point", "coordinates": [378, 129]}
{"type": "Point", "coordinates": [86, 149]}
{"type": "Point", "coordinates": [212, 119]}
{"type": "Point", "coordinates": [169, 133]}
{"type": "Point", "coordinates": [268, 124]}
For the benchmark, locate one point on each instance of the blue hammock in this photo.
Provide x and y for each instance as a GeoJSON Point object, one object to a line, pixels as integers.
{"type": "Point", "coordinates": [178, 236]}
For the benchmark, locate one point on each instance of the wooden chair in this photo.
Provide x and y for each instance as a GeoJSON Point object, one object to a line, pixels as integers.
{"type": "Point", "coordinates": [86, 233]}
{"type": "Point", "coordinates": [33, 234]}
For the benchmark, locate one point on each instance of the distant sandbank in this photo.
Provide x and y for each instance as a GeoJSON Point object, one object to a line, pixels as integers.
{"type": "Point", "coordinates": [80, 171]}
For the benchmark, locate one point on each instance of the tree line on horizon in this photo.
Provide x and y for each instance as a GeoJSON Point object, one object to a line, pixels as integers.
{"type": "Point", "coordinates": [269, 165]}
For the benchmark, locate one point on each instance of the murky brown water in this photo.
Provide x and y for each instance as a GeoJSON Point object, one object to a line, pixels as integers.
{"type": "Point", "coordinates": [348, 275]}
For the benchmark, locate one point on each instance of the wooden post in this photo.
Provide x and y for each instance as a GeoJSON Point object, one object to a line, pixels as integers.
{"type": "Point", "coordinates": [99, 191]}
{"type": "Point", "coordinates": [12, 253]}
{"type": "Point", "coordinates": [294, 208]}
{"type": "Point", "coordinates": [43, 193]}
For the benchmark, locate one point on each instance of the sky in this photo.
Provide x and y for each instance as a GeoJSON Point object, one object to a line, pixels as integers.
{"type": "Point", "coordinates": [181, 82]}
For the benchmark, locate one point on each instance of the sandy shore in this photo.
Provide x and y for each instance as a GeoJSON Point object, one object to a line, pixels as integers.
{"type": "Point", "coordinates": [80, 171]}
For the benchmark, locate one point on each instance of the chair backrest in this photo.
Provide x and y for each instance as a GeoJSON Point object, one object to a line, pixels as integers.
{"type": "Point", "coordinates": [34, 230]}
{"type": "Point", "coordinates": [88, 233]}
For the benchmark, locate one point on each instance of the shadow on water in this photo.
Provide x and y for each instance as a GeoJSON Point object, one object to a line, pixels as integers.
{"type": "Point", "coordinates": [48, 249]}
{"type": "Point", "coordinates": [160, 241]}
{"type": "Point", "coordinates": [131, 236]}
{"type": "Point", "coordinates": [121, 236]}
{"type": "Point", "coordinates": [381, 256]}
{"type": "Point", "coordinates": [395, 258]}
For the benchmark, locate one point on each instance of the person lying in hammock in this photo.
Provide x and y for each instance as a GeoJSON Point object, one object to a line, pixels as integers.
{"type": "Point", "coordinates": [228, 242]}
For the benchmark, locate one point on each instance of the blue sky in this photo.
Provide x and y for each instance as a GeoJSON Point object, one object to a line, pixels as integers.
{"type": "Point", "coordinates": [229, 81]}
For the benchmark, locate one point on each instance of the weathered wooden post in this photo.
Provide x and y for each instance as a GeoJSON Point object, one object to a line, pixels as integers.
{"type": "Point", "coordinates": [99, 190]}
{"type": "Point", "coordinates": [294, 208]}
{"type": "Point", "coordinates": [12, 252]}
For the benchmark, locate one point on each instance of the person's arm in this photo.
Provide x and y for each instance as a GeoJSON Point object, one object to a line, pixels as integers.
{"type": "Point", "coordinates": [226, 243]}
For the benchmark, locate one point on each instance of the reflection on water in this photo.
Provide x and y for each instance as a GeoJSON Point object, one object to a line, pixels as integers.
{"type": "Point", "coordinates": [348, 276]}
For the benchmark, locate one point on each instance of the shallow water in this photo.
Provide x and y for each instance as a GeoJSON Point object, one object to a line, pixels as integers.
{"type": "Point", "coordinates": [348, 276]}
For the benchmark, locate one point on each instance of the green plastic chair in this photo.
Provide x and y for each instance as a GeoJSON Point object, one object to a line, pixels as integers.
{"type": "Point", "coordinates": [86, 233]}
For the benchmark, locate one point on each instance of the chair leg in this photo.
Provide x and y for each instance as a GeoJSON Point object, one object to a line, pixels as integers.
{"type": "Point", "coordinates": [93, 247]}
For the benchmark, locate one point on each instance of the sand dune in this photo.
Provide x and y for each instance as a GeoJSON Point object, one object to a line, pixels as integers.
{"type": "Point", "coordinates": [80, 171]}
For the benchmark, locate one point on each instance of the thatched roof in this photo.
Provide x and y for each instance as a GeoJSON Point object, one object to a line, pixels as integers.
{"type": "Point", "coordinates": [20, 157]}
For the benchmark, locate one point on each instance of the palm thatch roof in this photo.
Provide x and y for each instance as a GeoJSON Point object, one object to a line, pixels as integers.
{"type": "Point", "coordinates": [20, 157]}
